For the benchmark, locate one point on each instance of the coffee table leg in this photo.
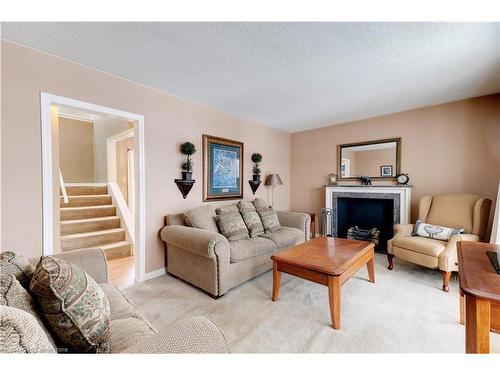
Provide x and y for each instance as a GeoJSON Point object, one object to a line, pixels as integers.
{"type": "Point", "coordinates": [371, 268]}
{"type": "Point", "coordinates": [276, 281]}
{"type": "Point", "coordinates": [334, 298]}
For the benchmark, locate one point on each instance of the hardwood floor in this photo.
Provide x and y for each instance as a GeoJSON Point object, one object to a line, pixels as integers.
{"type": "Point", "coordinates": [121, 271]}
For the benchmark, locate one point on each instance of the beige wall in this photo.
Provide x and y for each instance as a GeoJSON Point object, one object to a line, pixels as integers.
{"type": "Point", "coordinates": [169, 121]}
{"type": "Point", "coordinates": [452, 147]}
{"type": "Point", "coordinates": [105, 127]}
{"type": "Point", "coordinates": [76, 150]}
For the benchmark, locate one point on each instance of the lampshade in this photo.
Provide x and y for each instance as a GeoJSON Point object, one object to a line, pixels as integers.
{"type": "Point", "coordinates": [273, 180]}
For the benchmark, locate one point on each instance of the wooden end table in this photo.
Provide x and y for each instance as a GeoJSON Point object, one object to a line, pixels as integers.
{"type": "Point", "coordinates": [480, 286]}
{"type": "Point", "coordinates": [327, 261]}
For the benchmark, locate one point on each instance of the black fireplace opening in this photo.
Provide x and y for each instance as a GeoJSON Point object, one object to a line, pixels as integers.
{"type": "Point", "coordinates": [366, 213]}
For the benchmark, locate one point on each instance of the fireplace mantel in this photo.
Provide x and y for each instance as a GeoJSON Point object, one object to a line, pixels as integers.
{"type": "Point", "coordinates": [402, 192]}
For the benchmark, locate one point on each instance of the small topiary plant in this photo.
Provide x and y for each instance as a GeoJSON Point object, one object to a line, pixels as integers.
{"type": "Point", "coordinates": [188, 149]}
{"type": "Point", "coordinates": [256, 158]}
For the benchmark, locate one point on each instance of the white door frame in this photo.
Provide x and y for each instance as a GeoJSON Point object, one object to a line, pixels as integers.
{"type": "Point", "coordinates": [48, 100]}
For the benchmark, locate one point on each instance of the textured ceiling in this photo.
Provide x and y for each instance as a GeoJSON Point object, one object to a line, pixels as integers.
{"type": "Point", "coordinates": [291, 76]}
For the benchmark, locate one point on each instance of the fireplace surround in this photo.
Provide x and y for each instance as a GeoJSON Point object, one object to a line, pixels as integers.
{"type": "Point", "coordinates": [367, 207]}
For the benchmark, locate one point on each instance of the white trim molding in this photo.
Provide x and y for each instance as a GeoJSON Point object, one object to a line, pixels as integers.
{"type": "Point", "coordinates": [48, 100]}
{"type": "Point", "coordinates": [495, 231]}
{"type": "Point", "coordinates": [159, 272]}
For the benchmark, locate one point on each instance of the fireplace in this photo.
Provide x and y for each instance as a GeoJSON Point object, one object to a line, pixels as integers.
{"type": "Point", "coordinates": [366, 213]}
{"type": "Point", "coordinates": [367, 207]}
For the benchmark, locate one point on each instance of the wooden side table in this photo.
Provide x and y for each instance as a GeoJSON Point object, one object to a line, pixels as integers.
{"type": "Point", "coordinates": [479, 284]}
{"type": "Point", "coordinates": [313, 224]}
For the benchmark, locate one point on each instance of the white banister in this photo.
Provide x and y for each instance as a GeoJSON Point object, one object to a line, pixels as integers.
{"type": "Point", "coordinates": [63, 187]}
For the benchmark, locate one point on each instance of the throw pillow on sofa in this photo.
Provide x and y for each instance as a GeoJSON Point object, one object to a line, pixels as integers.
{"type": "Point", "coordinates": [269, 219]}
{"type": "Point", "coordinates": [75, 307]}
{"type": "Point", "coordinates": [226, 209]}
{"type": "Point", "coordinates": [18, 266]}
{"type": "Point", "coordinates": [260, 203]}
{"type": "Point", "coordinates": [202, 218]}
{"type": "Point", "coordinates": [436, 232]}
{"type": "Point", "coordinates": [13, 294]}
{"type": "Point", "coordinates": [232, 226]}
{"type": "Point", "coordinates": [251, 218]}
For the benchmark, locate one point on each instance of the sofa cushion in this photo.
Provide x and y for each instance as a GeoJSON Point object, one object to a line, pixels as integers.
{"type": "Point", "coordinates": [260, 203]}
{"type": "Point", "coordinates": [232, 226]}
{"type": "Point", "coordinates": [421, 245]}
{"type": "Point", "coordinates": [269, 219]}
{"type": "Point", "coordinates": [18, 266]}
{"type": "Point", "coordinates": [119, 305]}
{"type": "Point", "coordinates": [226, 209]}
{"type": "Point", "coordinates": [13, 294]}
{"type": "Point", "coordinates": [251, 218]}
{"type": "Point", "coordinates": [20, 332]}
{"type": "Point", "coordinates": [285, 237]}
{"type": "Point", "coordinates": [245, 249]}
{"type": "Point", "coordinates": [202, 218]}
{"type": "Point", "coordinates": [128, 332]}
{"type": "Point", "coordinates": [73, 304]}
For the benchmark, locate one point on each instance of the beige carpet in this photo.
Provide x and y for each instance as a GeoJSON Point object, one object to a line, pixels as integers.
{"type": "Point", "coordinates": [405, 311]}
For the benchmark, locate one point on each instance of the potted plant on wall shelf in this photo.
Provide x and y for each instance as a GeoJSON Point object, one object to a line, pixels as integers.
{"type": "Point", "coordinates": [256, 159]}
{"type": "Point", "coordinates": [188, 149]}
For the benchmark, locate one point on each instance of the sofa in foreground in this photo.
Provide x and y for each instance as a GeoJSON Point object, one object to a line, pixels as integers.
{"type": "Point", "coordinates": [202, 256]}
{"type": "Point", "coordinates": [129, 332]}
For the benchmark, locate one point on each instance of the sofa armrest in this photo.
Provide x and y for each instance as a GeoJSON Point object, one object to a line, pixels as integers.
{"type": "Point", "coordinates": [92, 261]}
{"type": "Point", "coordinates": [197, 241]}
{"type": "Point", "coordinates": [297, 220]}
{"type": "Point", "coordinates": [400, 230]}
{"type": "Point", "coordinates": [193, 335]}
{"type": "Point", "coordinates": [448, 259]}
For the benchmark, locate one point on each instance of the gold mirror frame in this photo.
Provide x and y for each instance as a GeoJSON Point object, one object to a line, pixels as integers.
{"type": "Point", "coordinates": [388, 140]}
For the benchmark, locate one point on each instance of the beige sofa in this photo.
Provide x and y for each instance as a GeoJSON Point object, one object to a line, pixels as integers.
{"type": "Point", "coordinates": [206, 259]}
{"type": "Point", "coordinates": [130, 332]}
{"type": "Point", "coordinates": [466, 211]}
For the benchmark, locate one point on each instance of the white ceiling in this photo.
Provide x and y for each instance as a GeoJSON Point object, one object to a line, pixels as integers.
{"type": "Point", "coordinates": [291, 76]}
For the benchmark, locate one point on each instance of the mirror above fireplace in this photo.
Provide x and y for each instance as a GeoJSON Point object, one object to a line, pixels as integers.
{"type": "Point", "coordinates": [379, 160]}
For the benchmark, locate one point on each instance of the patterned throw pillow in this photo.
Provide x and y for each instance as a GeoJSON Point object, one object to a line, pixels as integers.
{"type": "Point", "coordinates": [73, 304]}
{"type": "Point", "coordinates": [260, 203]}
{"type": "Point", "coordinates": [269, 219]}
{"type": "Point", "coordinates": [13, 294]}
{"type": "Point", "coordinates": [21, 333]}
{"type": "Point", "coordinates": [232, 226]}
{"type": "Point", "coordinates": [434, 231]}
{"type": "Point", "coordinates": [17, 266]}
{"type": "Point", "coordinates": [251, 218]}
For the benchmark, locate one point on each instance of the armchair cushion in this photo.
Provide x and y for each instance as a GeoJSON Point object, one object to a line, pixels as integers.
{"type": "Point", "coordinates": [245, 249]}
{"type": "Point", "coordinates": [285, 237]}
{"type": "Point", "coordinates": [434, 231]}
{"type": "Point", "coordinates": [427, 246]}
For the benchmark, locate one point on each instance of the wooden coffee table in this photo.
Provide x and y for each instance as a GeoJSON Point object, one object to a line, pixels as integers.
{"type": "Point", "coordinates": [325, 260]}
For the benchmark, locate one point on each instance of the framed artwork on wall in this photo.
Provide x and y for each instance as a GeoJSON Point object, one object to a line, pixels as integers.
{"type": "Point", "coordinates": [222, 169]}
{"type": "Point", "coordinates": [386, 171]}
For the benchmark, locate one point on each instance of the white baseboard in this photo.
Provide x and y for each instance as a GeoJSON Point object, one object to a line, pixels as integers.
{"type": "Point", "coordinates": [153, 274]}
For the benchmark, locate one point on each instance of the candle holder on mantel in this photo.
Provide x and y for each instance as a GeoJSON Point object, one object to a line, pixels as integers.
{"type": "Point", "coordinates": [254, 185]}
{"type": "Point", "coordinates": [184, 186]}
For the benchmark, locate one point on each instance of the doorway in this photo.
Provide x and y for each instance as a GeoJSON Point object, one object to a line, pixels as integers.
{"type": "Point", "coordinates": [92, 197]}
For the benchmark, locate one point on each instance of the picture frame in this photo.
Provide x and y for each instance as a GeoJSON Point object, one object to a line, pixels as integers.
{"type": "Point", "coordinates": [386, 171]}
{"type": "Point", "coordinates": [222, 169]}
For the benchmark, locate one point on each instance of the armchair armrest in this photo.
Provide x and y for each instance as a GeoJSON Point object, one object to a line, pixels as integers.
{"type": "Point", "coordinates": [448, 259]}
{"type": "Point", "coordinates": [193, 335]}
{"type": "Point", "coordinates": [400, 230]}
{"type": "Point", "coordinates": [197, 241]}
{"type": "Point", "coordinates": [92, 261]}
{"type": "Point", "coordinates": [297, 220]}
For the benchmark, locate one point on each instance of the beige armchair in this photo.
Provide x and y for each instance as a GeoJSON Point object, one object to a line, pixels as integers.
{"type": "Point", "coordinates": [449, 210]}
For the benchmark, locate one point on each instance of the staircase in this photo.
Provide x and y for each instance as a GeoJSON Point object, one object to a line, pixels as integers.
{"type": "Point", "coordinates": [88, 220]}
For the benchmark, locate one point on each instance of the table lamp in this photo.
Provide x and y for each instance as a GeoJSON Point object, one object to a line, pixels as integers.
{"type": "Point", "coordinates": [273, 180]}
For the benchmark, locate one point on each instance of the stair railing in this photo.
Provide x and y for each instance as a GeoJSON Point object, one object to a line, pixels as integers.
{"type": "Point", "coordinates": [63, 188]}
